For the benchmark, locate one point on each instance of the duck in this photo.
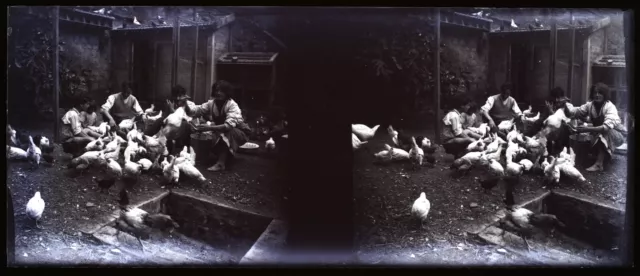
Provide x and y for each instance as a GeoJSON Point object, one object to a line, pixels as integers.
{"type": "Point", "coordinates": [363, 132]}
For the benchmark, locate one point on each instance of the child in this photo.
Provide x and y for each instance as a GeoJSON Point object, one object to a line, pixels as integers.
{"type": "Point", "coordinates": [73, 134]}
{"type": "Point", "coordinates": [455, 137]}
{"type": "Point", "coordinates": [89, 117]}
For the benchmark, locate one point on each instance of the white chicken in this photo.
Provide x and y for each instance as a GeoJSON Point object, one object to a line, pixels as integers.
{"type": "Point", "coordinates": [355, 142]}
{"type": "Point", "coordinates": [112, 146]}
{"type": "Point", "coordinates": [495, 168]}
{"type": "Point", "coordinates": [527, 164]}
{"type": "Point", "coordinates": [150, 109]}
{"type": "Point", "coordinates": [363, 132]}
{"type": "Point", "coordinates": [113, 168]}
{"type": "Point", "coordinates": [270, 144]}
{"type": "Point", "coordinates": [33, 152]}
{"type": "Point", "coordinates": [416, 154]}
{"type": "Point", "coordinates": [171, 173]}
{"type": "Point", "coordinates": [187, 169]}
{"type": "Point", "coordinates": [126, 124]}
{"type": "Point", "coordinates": [145, 164]}
{"type": "Point", "coordinates": [506, 125]}
{"type": "Point", "coordinates": [420, 208]}
{"type": "Point", "coordinates": [14, 153]}
{"type": "Point", "coordinates": [87, 159]}
{"type": "Point", "coordinates": [552, 172]}
{"type": "Point", "coordinates": [95, 145]}
{"type": "Point", "coordinates": [481, 130]}
{"type": "Point", "coordinates": [512, 134]}
{"type": "Point", "coordinates": [396, 153]}
{"type": "Point", "coordinates": [493, 146]}
{"type": "Point", "coordinates": [555, 120]}
{"type": "Point", "coordinates": [529, 111]}
{"type": "Point", "coordinates": [130, 151]}
{"type": "Point", "coordinates": [12, 136]}
{"type": "Point", "coordinates": [532, 119]}
{"type": "Point", "coordinates": [150, 118]}
{"type": "Point", "coordinates": [134, 134]}
{"type": "Point", "coordinates": [130, 173]}
{"type": "Point", "coordinates": [494, 155]}
{"type": "Point", "coordinates": [476, 146]}
{"type": "Point", "coordinates": [102, 129]}
{"type": "Point", "coordinates": [545, 164]}
{"type": "Point", "coordinates": [35, 208]}
{"type": "Point", "coordinates": [512, 150]}
{"type": "Point", "coordinates": [115, 154]}
{"type": "Point", "coordinates": [467, 161]}
{"type": "Point", "coordinates": [164, 163]}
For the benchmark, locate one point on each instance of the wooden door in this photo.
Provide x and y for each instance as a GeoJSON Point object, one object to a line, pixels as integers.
{"type": "Point", "coordinates": [164, 54]}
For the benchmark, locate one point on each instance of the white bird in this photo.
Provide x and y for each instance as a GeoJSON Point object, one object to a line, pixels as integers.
{"type": "Point", "coordinates": [355, 142]}
{"type": "Point", "coordinates": [114, 169]}
{"type": "Point", "coordinates": [364, 132]}
{"type": "Point", "coordinates": [496, 168]}
{"type": "Point", "coordinates": [14, 153]}
{"type": "Point", "coordinates": [506, 125]}
{"type": "Point", "coordinates": [35, 208]}
{"type": "Point", "coordinates": [416, 153]}
{"type": "Point", "coordinates": [555, 120]}
{"type": "Point", "coordinates": [527, 164]}
{"type": "Point", "coordinates": [532, 119]}
{"type": "Point", "coordinates": [145, 164]}
{"type": "Point", "coordinates": [513, 24]}
{"type": "Point", "coordinates": [481, 130]}
{"type": "Point", "coordinates": [100, 11]}
{"type": "Point", "coordinates": [494, 155]}
{"type": "Point", "coordinates": [126, 124]}
{"type": "Point", "coordinates": [493, 146]}
{"type": "Point", "coordinates": [476, 146]}
{"type": "Point", "coordinates": [150, 109]}
{"type": "Point", "coordinates": [34, 153]}
{"type": "Point", "coordinates": [421, 207]}
{"type": "Point", "coordinates": [95, 145]}
{"type": "Point", "coordinates": [186, 168]}
{"type": "Point", "coordinates": [477, 13]}
{"type": "Point", "coordinates": [270, 144]}
{"type": "Point", "coordinates": [135, 21]}
{"type": "Point", "coordinates": [528, 112]}
{"type": "Point", "coordinates": [112, 146]}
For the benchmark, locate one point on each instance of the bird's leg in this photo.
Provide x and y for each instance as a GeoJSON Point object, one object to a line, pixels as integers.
{"type": "Point", "coordinates": [526, 243]}
{"type": "Point", "coordinates": [141, 246]}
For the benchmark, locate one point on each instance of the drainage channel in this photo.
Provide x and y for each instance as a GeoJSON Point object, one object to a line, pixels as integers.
{"type": "Point", "coordinates": [210, 232]}
{"type": "Point", "coordinates": [592, 235]}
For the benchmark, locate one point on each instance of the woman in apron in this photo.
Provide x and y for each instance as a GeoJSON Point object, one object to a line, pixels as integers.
{"type": "Point", "coordinates": [607, 132]}
{"type": "Point", "coordinates": [229, 129]}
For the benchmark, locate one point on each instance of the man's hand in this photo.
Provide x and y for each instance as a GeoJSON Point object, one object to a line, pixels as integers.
{"type": "Point", "coordinates": [493, 126]}
{"type": "Point", "coordinates": [171, 106]}
{"type": "Point", "coordinates": [112, 123]}
{"type": "Point", "coordinates": [549, 106]}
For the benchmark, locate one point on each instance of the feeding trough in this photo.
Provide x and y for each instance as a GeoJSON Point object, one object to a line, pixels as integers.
{"type": "Point", "coordinates": [210, 232]}
{"type": "Point", "coordinates": [592, 236]}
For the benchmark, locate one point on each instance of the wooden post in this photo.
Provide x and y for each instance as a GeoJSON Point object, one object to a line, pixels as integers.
{"type": "Point", "coordinates": [194, 64]}
{"type": "Point", "coordinates": [572, 52]}
{"type": "Point", "coordinates": [437, 75]}
{"type": "Point", "coordinates": [56, 73]}
{"type": "Point", "coordinates": [628, 236]}
{"type": "Point", "coordinates": [509, 63]}
{"type": "Point", "coordinates": [553, 50]}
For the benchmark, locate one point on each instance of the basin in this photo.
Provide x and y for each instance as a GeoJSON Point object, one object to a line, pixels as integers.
{"type": "Point", "coordinates": [592, 236]}
{"type": "Point", "coordinates": [210, 232]}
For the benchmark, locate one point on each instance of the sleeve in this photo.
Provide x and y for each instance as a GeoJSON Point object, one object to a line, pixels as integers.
{"type": "Point", "coordinates": [488, 105]}
{"type": "Point", "coordinates": [76, 128]}
{"type": "Point", "coordinates": [515, 108]}
{"type": "Point", "coordinates": [611, 117]}
{"type": "Point", "coordinates": [200, 110]}
{"type": "Point", "coordinates": [137, 108]}
{"type": "Point", "coordinates": [234, 115]}
{"type": "Point", "coordinates": [456, 125]}
{"type": "Point", "coordinates": [580, 111]}
{"type": "Point", "coordinates": [109, 103]}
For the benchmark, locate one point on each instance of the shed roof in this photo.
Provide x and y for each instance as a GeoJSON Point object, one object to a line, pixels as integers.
{"type": "Point", "coordinates": [610, 61]}
{"type": "Point", "coordinates": [525, 19]}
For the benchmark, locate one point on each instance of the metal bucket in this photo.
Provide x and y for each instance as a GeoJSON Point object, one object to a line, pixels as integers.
{"type": "Point", "coordinates": [203, 146]}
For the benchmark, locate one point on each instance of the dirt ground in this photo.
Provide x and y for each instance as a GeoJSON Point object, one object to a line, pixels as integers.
{"type": "Point", "coordinates": [384, 195]}
{"type": "Point", "coordinates": [74, 201]}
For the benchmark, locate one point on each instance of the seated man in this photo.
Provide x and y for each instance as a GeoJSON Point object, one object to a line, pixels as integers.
{"type": "Point", "coordinates": [230, 131]}
{"type": "Point", "coordinates": [607, 132]}
{"type": "Point", "coordinates": [455, 139]}
{"type": "Point", "coordinates": [182, 136]}
{"type": "Point", "coordinates": [501, 107]}
{"type": "Point", "coordinates": [121, 106]}
{"type": "Point", "coordinates": [74, 136]}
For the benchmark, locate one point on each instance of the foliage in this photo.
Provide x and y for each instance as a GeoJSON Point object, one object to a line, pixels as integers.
{"type": "Point", "coordinates": [33, 60]}
{"type": "Point", "coordinates": [402, 55]}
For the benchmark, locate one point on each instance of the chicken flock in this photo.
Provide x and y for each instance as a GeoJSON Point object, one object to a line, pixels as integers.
{"type": "Point", "coordinates": [503, 160]}
{"type": "Point", "coordinates": [116, 159]}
